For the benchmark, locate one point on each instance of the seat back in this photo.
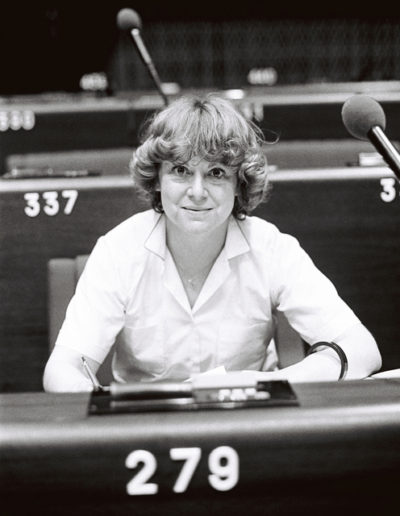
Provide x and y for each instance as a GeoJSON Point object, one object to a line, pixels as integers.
{"type": "Point", "coordinates": [289, 345]}
{"type": "Point", "coordinates": [63, 275]}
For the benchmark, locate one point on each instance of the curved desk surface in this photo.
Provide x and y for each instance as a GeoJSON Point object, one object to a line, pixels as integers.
{"type": "Point", "coordinates": [338, 452]}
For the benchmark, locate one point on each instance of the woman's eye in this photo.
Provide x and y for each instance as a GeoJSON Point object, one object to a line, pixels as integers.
{"type": "Point", "coordinates": [179, 170]}
{"type": "Point", "coordinates": [217, 173]}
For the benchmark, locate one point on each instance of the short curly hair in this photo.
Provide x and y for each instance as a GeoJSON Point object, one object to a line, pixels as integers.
{"type": "Point", "coordinates": [209, 127]}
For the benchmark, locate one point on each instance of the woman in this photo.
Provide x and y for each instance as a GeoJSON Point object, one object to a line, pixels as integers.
{"type": "Point", "coordinates": [195, 282]}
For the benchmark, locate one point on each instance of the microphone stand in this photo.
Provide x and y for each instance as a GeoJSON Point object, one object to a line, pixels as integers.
{"type": "Point", "coordinates": [135, 33]}
{"type": "Point", "coordinates": [385, 148]}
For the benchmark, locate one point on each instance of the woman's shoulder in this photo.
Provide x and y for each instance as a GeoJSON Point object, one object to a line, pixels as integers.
{"type": "Point", "coordinates": [134, 229]}
{"type": "Point", "coordinates": [260, 231]}
{"type": "Point", "coordinates": [254, 223]}
{"type": "Point", "coordinates": [125, 243]}
{"type": "Point", "coordinates": [265, 237]}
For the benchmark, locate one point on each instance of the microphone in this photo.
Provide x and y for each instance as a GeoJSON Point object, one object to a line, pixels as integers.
{"type": "Point", "coordinates": [365, 119]}
{"type": "Point", "coordinates": [129, 20]}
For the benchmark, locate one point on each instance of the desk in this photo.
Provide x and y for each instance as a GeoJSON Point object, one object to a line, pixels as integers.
{"type": "Point", "coordinates": [47, 124]}
{"type": "Point", "coordinates": [338, 452]}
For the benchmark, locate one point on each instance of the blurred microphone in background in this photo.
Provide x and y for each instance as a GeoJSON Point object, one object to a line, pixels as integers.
{"type": "Point", "coordinates": [365, 119]}
{"type": "Point", "coordinates": [129, 20]}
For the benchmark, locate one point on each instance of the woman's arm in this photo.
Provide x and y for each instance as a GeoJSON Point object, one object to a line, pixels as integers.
{"type": "Point", "coordinates": [94, 317]}
{"type": "Point", "coordinates": [315, 310]}
{"type": "Point", "coordinates": [64, 371]}
{"type": "Point", "coordinates": [362, 354]}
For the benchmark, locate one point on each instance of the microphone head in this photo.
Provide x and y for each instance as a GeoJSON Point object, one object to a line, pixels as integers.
{"type": "Point", "coordinates": [360, 113]}
{"type": "Point", "coordinates": [128, 19]}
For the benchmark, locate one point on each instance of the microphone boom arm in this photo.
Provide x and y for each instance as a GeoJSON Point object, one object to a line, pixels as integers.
{"type": "Point", "coordinates": [135, 33]}
{"type": "Point", "coordinates": [385, 148]}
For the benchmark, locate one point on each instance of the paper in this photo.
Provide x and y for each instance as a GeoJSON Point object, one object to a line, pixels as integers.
{"type": "Point", "coordinates": [393, 373]}
{"type": "Point", "coordinates": [216, 371]}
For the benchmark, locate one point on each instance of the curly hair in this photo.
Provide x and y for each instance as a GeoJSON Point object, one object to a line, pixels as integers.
{"type": "Point", "coordinates": [210, 128]}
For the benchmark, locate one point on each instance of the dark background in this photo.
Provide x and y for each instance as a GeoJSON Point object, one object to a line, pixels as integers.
{"type": "Point", "coordinates": [48, 46]}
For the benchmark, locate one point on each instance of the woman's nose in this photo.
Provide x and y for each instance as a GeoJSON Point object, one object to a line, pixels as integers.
{"type": "Point", "coordinates": [197, 188]}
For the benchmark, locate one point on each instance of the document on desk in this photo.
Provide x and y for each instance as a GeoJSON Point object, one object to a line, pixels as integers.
{"type": "Point", "coordinates": [216, 371]}
{"type": "Point", "coordinates": [216, 389]}
{"type": "Point", "coordinates": [392, 373]}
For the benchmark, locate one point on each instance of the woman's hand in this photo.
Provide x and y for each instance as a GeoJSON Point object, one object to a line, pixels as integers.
{"type": "Point", "coordinates": [64, 371]}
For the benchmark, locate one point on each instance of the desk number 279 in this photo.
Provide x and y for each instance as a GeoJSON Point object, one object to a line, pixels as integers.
{"type": "Point", "coordinates": [223, 464]}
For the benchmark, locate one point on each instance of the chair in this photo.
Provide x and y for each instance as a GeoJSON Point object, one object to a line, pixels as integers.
{"type": "Point", "coordinates": [289, 345]}
{"type": "Point", "coordinates": [63, 275]}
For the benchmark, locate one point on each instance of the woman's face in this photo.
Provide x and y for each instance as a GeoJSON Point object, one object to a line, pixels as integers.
{"type": "Point", "coordinates": [198, 196]}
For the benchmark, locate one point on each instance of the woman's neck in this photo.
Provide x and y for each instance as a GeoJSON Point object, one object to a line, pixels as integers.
{"type": "Point", "coordinates": [194, 256]}
{"type": "Point", "coordinates": [194, 252]}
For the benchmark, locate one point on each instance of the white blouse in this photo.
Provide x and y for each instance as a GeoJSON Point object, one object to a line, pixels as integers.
{"type": "Point", "coordinates": [131, 293]}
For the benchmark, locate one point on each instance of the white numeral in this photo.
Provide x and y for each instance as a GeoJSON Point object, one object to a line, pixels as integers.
{"type": "Point", "coordinates": [388, 193]}
{"type": "Point", "coordinates": [191, 456]}
{"type": "Point", "coordinates": [223, 463]}
{"type": "Point", "coordinates": [28, 120]}
{"type": "Point", "coordinates": [71, 195]}
{"type": "Point", "coordinates": [51, 203]}
{"type": "Point", "coordinates": [16, 120]}
{"type": "Point", "coordinates": [138, 485]}
{"type": "Point", "coordinates": [32, 208]}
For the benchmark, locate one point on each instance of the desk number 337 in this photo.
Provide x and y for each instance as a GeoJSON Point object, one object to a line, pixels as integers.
{"type": "Point", "coordinates": [50, 202]}
{"type": "Point", "coordinates": [223, 464]}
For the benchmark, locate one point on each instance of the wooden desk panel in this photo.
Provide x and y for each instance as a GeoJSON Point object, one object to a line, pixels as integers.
{"type": "Point", "coordinates": [26, 245]}
{"type": "Point", "coordinates": [353, 236]}
{"type": "Point", "coordinates": [338, 452]}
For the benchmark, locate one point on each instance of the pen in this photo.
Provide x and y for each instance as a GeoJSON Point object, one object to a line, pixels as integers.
{"type": "Point", "coordinates": [96, 384]}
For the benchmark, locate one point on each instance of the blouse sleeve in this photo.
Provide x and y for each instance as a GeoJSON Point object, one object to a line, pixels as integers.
{"type": "Point", "coordinates": [308, 298]}
{"type": "Point", "coordinates": [96, 312]}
